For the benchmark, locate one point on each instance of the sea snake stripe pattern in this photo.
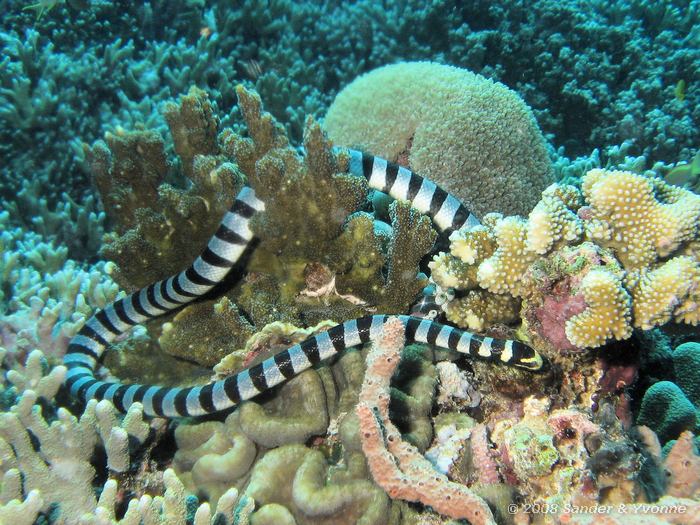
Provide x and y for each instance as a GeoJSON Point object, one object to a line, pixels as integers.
{"type": "Point", "coordinates": [221, 253]}
{"type": "Point", "coordinates": [446, 211]}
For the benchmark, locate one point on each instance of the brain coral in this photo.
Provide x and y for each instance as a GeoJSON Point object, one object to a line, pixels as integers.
{"type": "Point", "coordinates": [474, 137]}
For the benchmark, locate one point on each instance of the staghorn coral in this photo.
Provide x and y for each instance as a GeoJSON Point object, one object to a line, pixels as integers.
{"type": "Point", "coordinates": [586, 267]}
{"type": "Point", "coordinates": [77, 225]}
{"type": "Point", "coordinates": [271, 508]}
{"type": "Point", "coordinates": [452, 126]}
{"type": "Point", "coordinates": [36, 375]}
{"type": "Point", "coordinates": [143, 54]}
{"type": "Point", "coordinates": [174, 507]}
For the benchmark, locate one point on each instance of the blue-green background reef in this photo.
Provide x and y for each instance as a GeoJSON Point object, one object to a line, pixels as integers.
{"type": "Point", "coordinates": [126, 130]}
{"type": "Point", "coordinates": [596, 73]}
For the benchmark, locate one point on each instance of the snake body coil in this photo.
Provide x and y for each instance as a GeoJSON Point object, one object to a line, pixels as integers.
{"type": "Point", "coordinates": [221, 253]}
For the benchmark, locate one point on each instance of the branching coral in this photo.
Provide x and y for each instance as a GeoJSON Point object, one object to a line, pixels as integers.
{"type": "Point", "coordinates": [587, 266]}
{"type": "Point", "coordinates": [158, 225]}
{"type": "Point", "coordinates": [45, 464]}
{"type": "Point", "coordinates": [310, 236]}
{"type": "Point", "coordinates": [641, 220]}
{"type": "Point", "coordinates": [670, 291]}
{"type": "Point", "coordinates": [607, 315]}
{"type": "Point", "coordinates": [207, 327]}
{"type": "Point", "coordinates": [45, 297]}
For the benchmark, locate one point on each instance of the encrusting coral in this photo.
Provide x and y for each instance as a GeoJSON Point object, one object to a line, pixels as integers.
{"type": "Point", "coordinates": [585, 267]}
{"type": "Point", "coordinates": [561, 456]}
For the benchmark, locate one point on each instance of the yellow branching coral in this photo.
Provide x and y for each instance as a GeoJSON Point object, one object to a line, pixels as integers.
{"type": "Point", "coordinates": [473, 244]}
{"type": "Point", "coordinates": [647, 218]}
{"type": "Point", "coordinates": [475, 308]}
{"type": "Point", "coordinates": [646, 272]}
{"type": "Point", "coordinates": [502, 272]}
{"type": "Point", "coordinates": [479, 309]}
{"type": "Point", "coordinates": [448, 271]}
{"type": "Point", "coordinates": [670, 291]}
{"type": "Point", "coordinates": [554, 219]}
{"type": "Point", "coordinates": [608, 313]}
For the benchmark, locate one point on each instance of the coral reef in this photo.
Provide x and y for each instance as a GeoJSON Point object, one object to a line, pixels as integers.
{"type": "Point", "coordinates": [451, 126]}
{"type": "Point", "coordinates": [672, 407]}
{"type": "Point", "coordinates": [45, 297]}
{"type": "Point", "coordinates": [588, 266]}
{"type": "Point", "coordinates": [598, 257]}
{"type": "Point", "coordinates": [342, 270]}
{"type": "Point", "coordinates": [396, 465]}
{"type": "Point", "coordinates": [86, 68]}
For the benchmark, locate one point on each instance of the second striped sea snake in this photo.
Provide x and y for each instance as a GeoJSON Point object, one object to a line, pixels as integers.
{"type": "Point", "coordinates": [212, 265]}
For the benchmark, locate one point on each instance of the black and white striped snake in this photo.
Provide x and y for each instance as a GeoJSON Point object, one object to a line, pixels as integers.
{"type": "Point", "coordinates": [222, 251]}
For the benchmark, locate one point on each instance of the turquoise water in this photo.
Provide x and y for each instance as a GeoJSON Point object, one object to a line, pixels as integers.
{"type": "Point", "coordinates": [248, 207]}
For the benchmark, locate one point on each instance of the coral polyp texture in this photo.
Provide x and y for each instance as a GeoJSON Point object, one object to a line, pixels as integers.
{"type": "Point", "coordinates": [390, 296]}
{"type": "Point", "coordinates": [642, 220]}
{"type": "Point", "coordinates": [585, 267]}
{"type": "Point", "coordinates": [472, 136]}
